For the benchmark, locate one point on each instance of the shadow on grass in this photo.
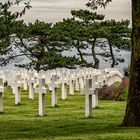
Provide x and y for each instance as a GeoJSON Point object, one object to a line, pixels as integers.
{"type": "Point", "coordinates": [41, 128]}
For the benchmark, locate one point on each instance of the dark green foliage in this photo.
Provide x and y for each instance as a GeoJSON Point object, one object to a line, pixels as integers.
{"type": "Point", "coordinates": [95, 4]}
{"type": "Point", "coordinates": [44, 43]}
{"type": "Point", "coordinates": [86, 15]}
{"type": "Point", "coordinates": [8, 27]}
{"type": "Point", "coordinates": [6, 24]}
{"type": "Point", "coordinates": [53, 40]}
{"type": "Point", "coordinates": [117, 34]}
{"type": "Point", "coordinates": [46, 47]}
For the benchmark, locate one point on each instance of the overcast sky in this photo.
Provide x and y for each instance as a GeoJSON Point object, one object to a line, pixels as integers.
{"type": "Point", "coordinates": [56, 10]}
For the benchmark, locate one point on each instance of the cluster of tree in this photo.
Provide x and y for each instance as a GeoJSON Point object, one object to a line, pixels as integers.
{"type": "Point", "coordinates": [44, 43]}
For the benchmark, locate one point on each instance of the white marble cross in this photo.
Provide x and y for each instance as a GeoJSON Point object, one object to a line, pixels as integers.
{"type": "Point", "coordinates": [81, 81]}
{"type": "Point", "coordinates": [89, 91]}
{"type": "Point", "coordinates": [25, 85]}
{"type": "Point", "coordinates": [54, 85]}
{"type": "Point", "coordinates": [31, 85]}
{"type": "Point", "coordinates": [96, 85]}
{"type": "Point", "coordinates": [71, 86]}
{"type": "Point", "coordinates": [64, 90]}
{"type": "Point", "coordinates": [42, 91]}
{"type": "Point", "coordinates": [77, 86]}
{"type": "Point", "coordinates": [64, 87]}
{"type": "Point", "coordinates": [17, 85]}
{"type": "Point", "coordinates": [1, 94]}
{"type": "Point", "coordinates": [24, 75]}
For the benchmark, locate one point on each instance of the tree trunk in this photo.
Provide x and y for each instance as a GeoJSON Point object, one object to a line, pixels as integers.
{"type": "Point", "coordinates": [79, 51]}
{"type": "Point", "coordinates": [112, 55]}
{"type": "Point", "coordinates": [96, 60]}
{"type": "Point", "coordinates": [132, 114]}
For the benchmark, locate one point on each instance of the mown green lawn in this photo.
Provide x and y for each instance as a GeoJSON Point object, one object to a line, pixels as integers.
{"type": "Point", "coordinates": [65, 122]}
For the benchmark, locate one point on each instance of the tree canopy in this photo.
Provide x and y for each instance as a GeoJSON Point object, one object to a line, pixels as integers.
{"type": "Point", "coordinates": [46, 45]}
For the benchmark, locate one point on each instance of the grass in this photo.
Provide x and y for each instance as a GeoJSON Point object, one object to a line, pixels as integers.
{"type": "Point", "coordinates": [65, 122]}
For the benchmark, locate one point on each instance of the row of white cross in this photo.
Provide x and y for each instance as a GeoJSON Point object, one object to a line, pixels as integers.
{"type": "Point", "coordinates": [87, 81]}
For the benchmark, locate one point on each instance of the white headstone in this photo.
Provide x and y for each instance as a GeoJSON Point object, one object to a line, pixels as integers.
{"type": "Point", "coordinates": [77, 86]}
{"type": "Point", "coordinates": [17, 85]}
{"type": "Point", "coordinates": [71, 86]}
{"type": "Point", "coordinates": [42, 91]}
{"type": "Point", "coordinates": [89, 91]}
{"type": "Point", "coordinates": [64, 87]}
{"type": "Point", "coordinates": [96, 85]}
{"type": "Point", "coordinates": [55, 85]}
{"type": "Point", "coordinates": [25, 85]}
{"type": "Point", "coordinates": [1, 94]}
{"type": "Point", "coordinates": [31, 85]}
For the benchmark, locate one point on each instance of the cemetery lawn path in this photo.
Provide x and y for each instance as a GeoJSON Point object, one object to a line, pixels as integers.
{"type": "Point", "coordinates": [65, 122]}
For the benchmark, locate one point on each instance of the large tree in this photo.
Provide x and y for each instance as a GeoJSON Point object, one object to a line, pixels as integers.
{"type": "Point", "coordinates": [8, 22]}
{"type": "Point", "coordinates": [44, 47]}
{"type": "Point", "coordinates": [132, 114]}
{"type": "Point", "coordinates": [104, 35]}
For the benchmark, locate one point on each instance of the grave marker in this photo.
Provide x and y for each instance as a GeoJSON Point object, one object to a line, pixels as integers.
{"type": "Point", "coordinates": [16, 86]}
{"type": "Point", "coordinates": [42, 91]}
{"type": "Point", "coordinates": [31, 85]}
{"type": "Point", "coordinates": [89, 91]}
{"type": "Point", "coordinates": [1, 94]}
{"type": "Point", "coordinates": [55, 85]}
